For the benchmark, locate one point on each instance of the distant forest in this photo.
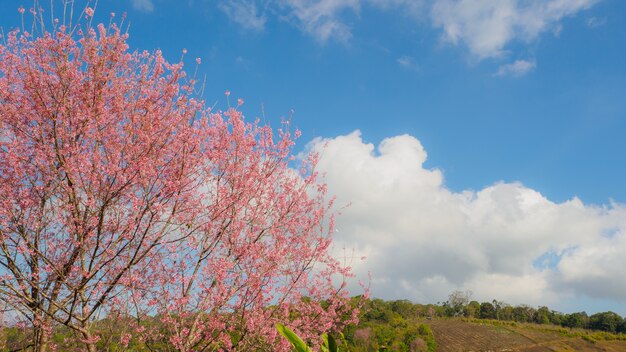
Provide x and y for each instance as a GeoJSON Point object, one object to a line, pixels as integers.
{"type": "Point", "coordinates": [402, 325]}
{"type": "Point", "coordinates": [460, 305]}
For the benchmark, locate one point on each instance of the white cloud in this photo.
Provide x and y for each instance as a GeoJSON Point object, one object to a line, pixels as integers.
{"type": "Point", "coordinates": [487, 26]}
{"type": "Point", "coordinates": [143, 5]}
{"type": "Point", "coordinates": [423, 240]}
{"type": "Point", "coordinates": [517, 69]}
{"type": "Point", "coordinates": [324, 20]}
{"type": "Point", "coordinates": [245, 13]}
{"type": "Point", "coordinates": [594, 22]}
{"type": "Point", "coordinates": [320, 18]}
{"type": "Point", "coordinates": [408, 63]}
{"type": "Point", "coordinates": [243, 62]}
{"type": "Point", "coordinates": [412, 8]}
{"type": "Point", "coordinates": [595, 268]}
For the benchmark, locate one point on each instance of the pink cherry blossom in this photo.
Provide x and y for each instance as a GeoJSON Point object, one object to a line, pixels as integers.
{"type": "Point", "coordinates": [122, 194]}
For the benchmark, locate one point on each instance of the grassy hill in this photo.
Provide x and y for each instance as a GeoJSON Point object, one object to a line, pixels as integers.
{"type": "Point", "coordinates": [454, 334]}
{"type": "Point", "coordinates": [404, 326]}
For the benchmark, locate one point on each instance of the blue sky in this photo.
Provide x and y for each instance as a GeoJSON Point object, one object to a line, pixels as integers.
{"type": "Point", "coordinates": [515, 102]}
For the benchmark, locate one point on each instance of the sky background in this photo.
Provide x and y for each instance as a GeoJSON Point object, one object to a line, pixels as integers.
{"type": "Point", "coordinates": [480, 143]}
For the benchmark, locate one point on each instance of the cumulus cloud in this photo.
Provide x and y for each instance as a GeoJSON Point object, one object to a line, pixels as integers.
{"type": "Point", "coordinates": [244, 13]}
{"type": "Point", "coordinates": [486, 26]}
{"type": "Point", "coordinates": [595, 267]}
{"type": "Point", "coordinates": [505, 241]}
{"type": "Point", "coordinates": [516, 69]}
{"type": "Point", "coordinates": [143, 5]}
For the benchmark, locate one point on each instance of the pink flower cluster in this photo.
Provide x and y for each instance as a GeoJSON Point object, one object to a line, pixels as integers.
{"type": "Point", "coordinates": [121, 192]}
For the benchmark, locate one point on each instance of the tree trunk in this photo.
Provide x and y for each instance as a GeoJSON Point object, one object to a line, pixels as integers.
{"type": "Point", "coordinates": [90, 344]}
{"type": "Point", "coordinates": [40, 339]}
{"type": "Point", "coordinates": [91, 347]}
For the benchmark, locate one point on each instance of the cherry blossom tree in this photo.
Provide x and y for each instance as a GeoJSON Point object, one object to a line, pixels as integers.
{"type": "Point", "coordinates": [121, 195]}
{"type": "Point", "coordinates": [260, 242]}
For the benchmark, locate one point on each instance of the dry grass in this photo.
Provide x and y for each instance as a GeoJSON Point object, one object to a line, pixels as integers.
{"type": "Point", "coordinates": [464, 335]}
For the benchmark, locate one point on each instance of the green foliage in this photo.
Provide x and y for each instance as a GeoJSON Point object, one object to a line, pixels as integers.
{"type": "Point", "coordinates": [405, 308]}
{"type": "Point", "coordinates": [542, 316]}
{"type": "Point", "coordinates": [589, 338]}
{"type": "Point", "coordinates": [295, 340]}
{"type": "Point", "coordinates": [427, 335]}
{"type": "Point", "coordinates": [622, 327]}
{"type": "Point", "coordinates": [329, 344]}
{"type": "Point", "coordinates": [395, 325]}
{"type": "Point", "coordinates": [487, 311]}
{"type": "Point", "coordinates": [378, 310]}
{"type": "Point", "coordinates": [607, 321]}
{"type": "Point", "coordinates": [472, 310]}
{"type": "Point", "coordinates": [575, 320]}
{"type": "Point", "coordinates": [384, 326]}
{"type": "Point", "coordinates": [457, 303]}
{"type": "Point", "coordinates": [391, 326]}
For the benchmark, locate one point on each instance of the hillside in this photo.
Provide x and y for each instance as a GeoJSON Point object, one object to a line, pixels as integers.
{"type": "Point", "coordinates": [460, 325]}
{"type": "Point", "coordinates": [466, 335]}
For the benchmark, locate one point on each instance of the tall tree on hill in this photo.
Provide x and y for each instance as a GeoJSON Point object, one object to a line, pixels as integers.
{"type": "Point", "coordinates": [121, 193]}
{"type": "Point", "coordinates": [576, 320]}
{"type": "Point", "coordinates": [606, 321]}
{"type": "Point", "coordinates": [457, 302]}
{"type": "Point", "coordinates": [473, 309]}
{"type": "Point", "coordinates": [487, 311]}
